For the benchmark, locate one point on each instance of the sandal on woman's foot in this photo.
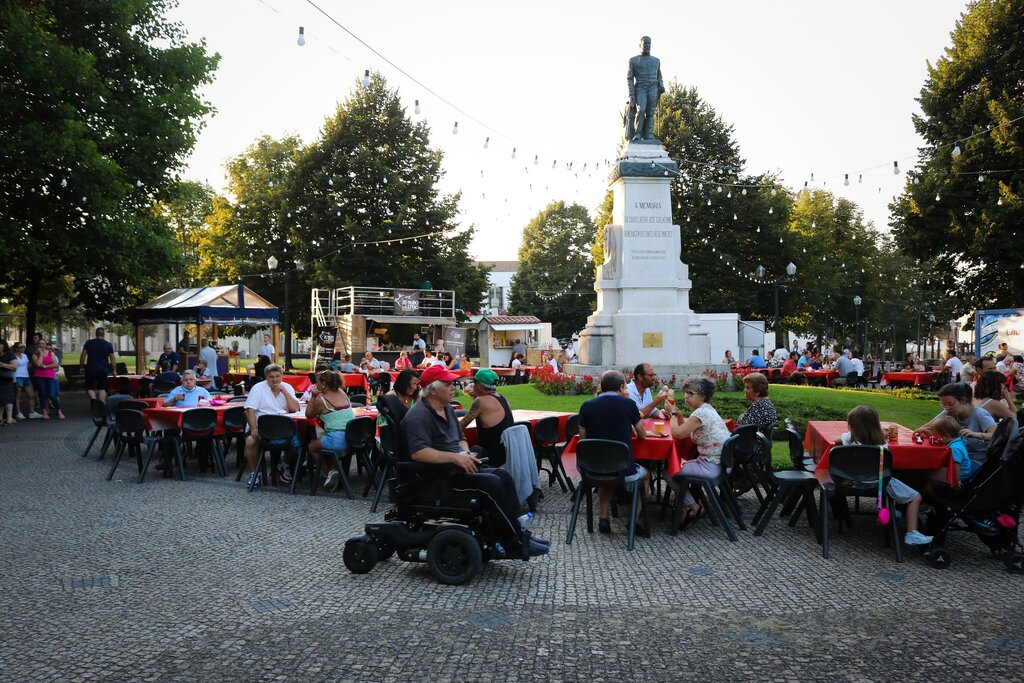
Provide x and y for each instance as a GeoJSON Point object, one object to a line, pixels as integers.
{"type": "Point", "coordinates": [689, 517]}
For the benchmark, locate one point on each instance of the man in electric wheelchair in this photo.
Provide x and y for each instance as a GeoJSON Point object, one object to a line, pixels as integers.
{"type": "Point", "coordinates": [449, 511]}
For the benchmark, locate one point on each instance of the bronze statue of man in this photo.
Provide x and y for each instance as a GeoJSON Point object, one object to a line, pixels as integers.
{"type": "Point", "coordinates": [645, 87]}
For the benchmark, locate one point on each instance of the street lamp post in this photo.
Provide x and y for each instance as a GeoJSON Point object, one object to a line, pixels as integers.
{"type": "Point", "coordinates": [272, 265]}
{"type": "Point", "coordinates": [790, 271]}
{"type": "Point", "coordinates": [856, 330]}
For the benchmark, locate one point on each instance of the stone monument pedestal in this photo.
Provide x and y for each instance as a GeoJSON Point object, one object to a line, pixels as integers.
{"type": "Point", "coordinates": [643, 287]}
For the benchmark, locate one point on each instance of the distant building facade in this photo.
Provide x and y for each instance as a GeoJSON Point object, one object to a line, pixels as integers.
{"type": "Point", "coordinates": [499, 286]}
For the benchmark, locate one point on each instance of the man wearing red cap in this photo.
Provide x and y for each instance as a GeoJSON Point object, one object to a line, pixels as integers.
{"type": "Point", "coordinates": [433, 436]}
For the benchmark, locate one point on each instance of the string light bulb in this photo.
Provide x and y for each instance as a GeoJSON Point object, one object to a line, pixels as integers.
{"type": "Point", "coordinates": [981, 177]}
{"type": "Point", "coordinates": [302, 37]}
{"type": "Point", "coordinates": [956, 150]}
{"type": "Point", "coordinates": [860, 178]}
{"type": "Point", "coordinates": [846, 179]}
{"type": "Point", "coordinates": [416, 107]}
{"type": "Point", "coordinates": [487, 142]}
{"type": "Point", "coordinates": [513, 152]}
{"type": "Point", "coordinates": [366, 78]}
{"type": "Point", "coordinates": [455, 128]}
{"type": "Point", "coordinates": [535, 159]}
{"type": "Point", "coordinates": [895, 168]}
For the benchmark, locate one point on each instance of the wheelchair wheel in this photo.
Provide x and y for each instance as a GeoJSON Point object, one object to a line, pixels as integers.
{"type": "Point", "coordinates": [939, 558]}
{"type": "Point", "coordinates": [454, 556]}
{"type": "Point", "coordinates": [1014, 563]}
{"type": "Point", "coordinates": [360, 555]}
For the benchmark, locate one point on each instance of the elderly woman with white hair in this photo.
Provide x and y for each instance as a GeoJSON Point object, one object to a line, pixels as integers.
{"type": "Point", "coordinates": [707, 430]}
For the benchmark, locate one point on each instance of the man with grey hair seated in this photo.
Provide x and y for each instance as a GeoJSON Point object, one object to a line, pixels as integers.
{"type": "Point", "coordinates": [433, 436]}
{"type": "Point", "coordinates": [272, 397]}
{"type": "Point", "coordinates": [187, 395]}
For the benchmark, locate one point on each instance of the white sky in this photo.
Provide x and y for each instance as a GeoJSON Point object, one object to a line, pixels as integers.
{"type": "Point", "coordinates": [811, 87]}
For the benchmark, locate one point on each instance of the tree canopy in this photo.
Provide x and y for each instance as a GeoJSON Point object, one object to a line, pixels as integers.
{"type": "Point", "coordinates": [99, 106]}
{"type": "Point", "coordinates": [370, 177]}
{"type": "Point", "coordinates": [961, 212]}
{"type": "Point", "coordinates": [555, 277]}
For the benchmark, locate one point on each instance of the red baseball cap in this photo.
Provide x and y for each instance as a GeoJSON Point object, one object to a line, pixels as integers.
{"type": "Point", "coordinates": [437, 372]}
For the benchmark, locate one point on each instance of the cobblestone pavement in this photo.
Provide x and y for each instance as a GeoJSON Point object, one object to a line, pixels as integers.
{"type": "Point", "coordinates": [200, 581]}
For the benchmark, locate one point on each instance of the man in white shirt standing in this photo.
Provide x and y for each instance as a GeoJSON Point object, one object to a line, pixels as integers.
{"type": "Point", "coordinates": [268, 349]}
{"type": "Point", "coordinates": [209, 354]}
{"type": "Point", "coordinates": [272, 397]}
{"type": "Point", "coordinates": [640, 392]}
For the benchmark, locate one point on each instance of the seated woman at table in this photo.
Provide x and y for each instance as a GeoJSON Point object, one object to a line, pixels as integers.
{"type": "Point", "coordinates": [203, 371]}
{"type": "Point", "coordinates": [403, 362]}
{"type": "Point", "coordinates": [708, 432]}
{"type": "Point", "coordinates": [402, 395]}
{"type": "Point", "coordinates": [451, 362]}
{"type": "Point", "coordinates": [761, 411]}
{"type": "Point", "coordinates": [976, 424]}
{"type": "Point", "coordinates": [187, 395]}
{"type": "Point", "coordinates": [729, 360]}
{"type": "Point", "coordinates": [465, 363]}
{"type": "Point", "coordinates": [866, 430]}
{"type": "Point", "coordinates": [330, 403]}
{"type": "Point", "coordinates": [909, 362]}
{"type": "Point", "coordinates": [992, 394]}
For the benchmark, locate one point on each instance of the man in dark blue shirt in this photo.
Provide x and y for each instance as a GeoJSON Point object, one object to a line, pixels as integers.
{"type": "Point", "coordinates": [168, 357]}
{"type": "Point", "coordinates": [614, 415]}
{"type": "Point", "coordinates": [98, 361]}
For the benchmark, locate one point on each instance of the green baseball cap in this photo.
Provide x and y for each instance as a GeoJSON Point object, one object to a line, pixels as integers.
{"type": "Point", "coordinates": [486, 376]}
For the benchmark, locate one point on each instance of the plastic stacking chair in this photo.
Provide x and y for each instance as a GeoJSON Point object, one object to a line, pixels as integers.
{"type": "Point", "coordinates": [746, 461]}
{"type": "Point", "coordinates": [235, 424]}
{"type": "Point", "coordinates": [197, 427]}
{"type": "Point", "coordinates": [854, 472]}
{"type": "Point", "coordinates": [124, 386]}
{"type": "Point", "coordinates": [545, 437]}
{"type": "Point", "coordinates": [276, 433]}
{"type": "Point", "coordinates": [358, 400]}
{"type": "Point", "coordinates": [782, 487]}
{"type": "Point", "coordinates": [98, 411]}
{"type": "Point", "coordinates": [131, 436]}
{"type": "Point", "coordinates": [113, 402]}
{"type": "Point", "coordinates": [707, 493]}
{"type": "Point", "coordinates": [605, 463]}
{"type": "Point", "coordinates": [360, 439]}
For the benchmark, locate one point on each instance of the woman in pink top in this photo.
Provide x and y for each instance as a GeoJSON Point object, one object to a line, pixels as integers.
{"type": "Point", "coordinates": [46, 363]}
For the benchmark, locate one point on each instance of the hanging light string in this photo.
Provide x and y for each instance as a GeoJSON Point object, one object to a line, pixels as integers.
{"type": "Point", "coordinates": [954, 145]}
{"type": "Point", "coordinates": [304, 35]}
{"type": "Point", "coordinates": [566, 289]}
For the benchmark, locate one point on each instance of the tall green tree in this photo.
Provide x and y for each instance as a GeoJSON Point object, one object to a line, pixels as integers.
{"type": "Point", "coordinates": [187, 209]}
{"type": "Point", "coordinates": [99, 106]}
{"type": "Point", "coordinates": [961, 210]}
{"type": "Point", "coordinates": [255, 223]}
{"type": "Point", "coordinates": [555, 277]}
{"type": "Point", "coordinates": [371, 176]}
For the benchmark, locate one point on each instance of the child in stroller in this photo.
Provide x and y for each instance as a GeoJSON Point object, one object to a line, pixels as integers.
{"type": "Point", "coordinates": [988, 504]}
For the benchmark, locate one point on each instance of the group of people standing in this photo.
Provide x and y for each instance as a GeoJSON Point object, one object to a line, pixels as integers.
{"type": "Point", "coordinates": [30, 372]}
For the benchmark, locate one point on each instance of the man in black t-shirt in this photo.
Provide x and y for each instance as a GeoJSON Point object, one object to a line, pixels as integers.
{"type": "Point", "coordinates": [98, 361]}
{"type": "Point", "coordinates": [613, 415]}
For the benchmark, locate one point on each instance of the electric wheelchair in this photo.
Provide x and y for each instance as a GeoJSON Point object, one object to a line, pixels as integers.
{"type": "Point", "coordinates": [454, 532]}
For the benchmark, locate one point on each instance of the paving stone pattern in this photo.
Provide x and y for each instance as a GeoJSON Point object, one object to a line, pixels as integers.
{"type": "Point", "coordinates": [201, 581]}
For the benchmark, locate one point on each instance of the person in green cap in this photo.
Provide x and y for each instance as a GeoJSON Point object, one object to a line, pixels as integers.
{"type": "Point", "coordinates": [492, 414]}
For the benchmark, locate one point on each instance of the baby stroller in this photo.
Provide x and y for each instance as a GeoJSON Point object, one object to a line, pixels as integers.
{"type": "Point", "coordinates": [988, 505]}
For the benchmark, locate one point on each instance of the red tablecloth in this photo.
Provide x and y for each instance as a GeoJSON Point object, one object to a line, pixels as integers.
{"type": "Point", "coordinates": [916, 378]}
{"type": "Point", "coordinates": [742, 372]}
{"type": "Point", "coordinates": [502, 371]}
{"type": "Point", "coordinates": [827, 375]}
{"type": "Point", "coordinates": [531, 416]}
{"type": "Point", "coordinates": [112, 382]}
{"type": "Point", "coordinates": [906, 455]}
{"type": "Point", "coordinates": [299, 382]}
{"type": "Point", "coordinates": [674, 451]}
{"type": "Point", "coordinates": [159, 418]}
{"type": "Point", "coordinates": [352, 379]}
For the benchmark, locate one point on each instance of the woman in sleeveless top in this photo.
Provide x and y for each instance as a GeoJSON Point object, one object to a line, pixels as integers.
{"type": "Point", "coordinates": [331, 405]}
{"type": "Point", "coordinates": [46, 363]}
{"type": "Point", "coordinates": [992, 394]}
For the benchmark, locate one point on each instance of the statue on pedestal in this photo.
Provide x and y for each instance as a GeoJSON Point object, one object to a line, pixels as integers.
{"type": "Point", "coordinates": [645, 89]}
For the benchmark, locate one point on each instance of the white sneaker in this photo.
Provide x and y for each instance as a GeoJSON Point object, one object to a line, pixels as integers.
{"type": "Point", "coordinates": [332, 480]}
{"type": "Point", "coordinates": [19, 416]}
{"type": "Point", "coordinates": [284, 473]}
{"type": "Point", "coordinates": [34, 416]}
{"type": "Point", "coordinates": [916, 538]}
